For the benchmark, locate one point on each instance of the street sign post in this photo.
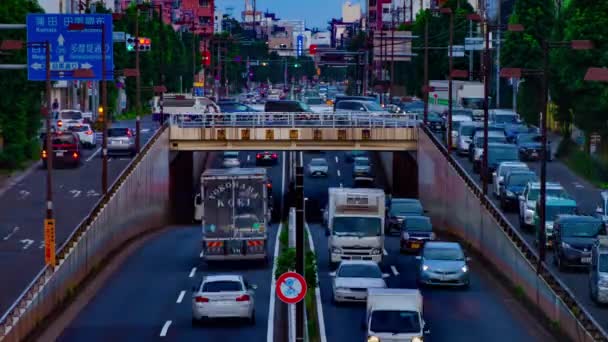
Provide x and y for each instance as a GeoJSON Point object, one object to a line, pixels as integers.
{"type": "Point", "coordinates": [119, 37]}
{"type": "Point", "coordinates": [457, 51]}
{"type": "Point", "coordinates": [473, 43]}
{"type": "Point", "coordinates": [299, 45]}
{"type": "Point", "coordinates": [291, 287]}
{"type": "Point", "coordinates": [70, 50]}
{"type": "Point", "coordinates": [49, 242]}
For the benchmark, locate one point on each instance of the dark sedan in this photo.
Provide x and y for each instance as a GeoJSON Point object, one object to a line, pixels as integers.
{"type": "Point", "coordinates": [498, 153]}
{"type": "Point", "coordinates": [415, 232]}
{"type": "Point", "coordinates": [530, 146]}
{"type": "Point", "coordinates": [513, 186]}
{"type": "Point", "coordinates": [574, 237]}
{"type": "Point", "coordinates": [398, 210]}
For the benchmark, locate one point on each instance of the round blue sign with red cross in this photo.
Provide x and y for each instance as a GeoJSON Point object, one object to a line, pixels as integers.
{"type": "Point", "coordinates": [291, 287]}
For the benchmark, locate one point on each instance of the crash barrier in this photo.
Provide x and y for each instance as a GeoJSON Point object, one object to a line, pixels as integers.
{"type": "Point", "coordinates": [138, 201]}
{"type": "Point", "coordinates": [456, 204]}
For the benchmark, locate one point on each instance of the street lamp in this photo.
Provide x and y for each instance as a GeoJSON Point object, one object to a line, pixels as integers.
{"type": "Point", "coordinates": [544, 73]}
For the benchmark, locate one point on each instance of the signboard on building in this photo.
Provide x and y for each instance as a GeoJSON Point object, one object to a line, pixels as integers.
{"type": "Point", "coordinates": [457, 51]}
{"type": "Point", "coordinates": [299, 45]}
{"type": "Point", "coordinates": [393, 46]}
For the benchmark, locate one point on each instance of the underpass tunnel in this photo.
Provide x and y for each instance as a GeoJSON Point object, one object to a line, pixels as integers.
{"type": "Point", "coordinates": [184, 172]}
{"type": "Point", "coordinates": [400, 171]}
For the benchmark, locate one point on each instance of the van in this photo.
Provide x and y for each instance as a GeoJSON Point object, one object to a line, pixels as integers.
{"type": "Point", "coordinates": [394, 315]}
{"type": "Point", "coordinates": [598, 272]}
{"type": "Point", "coordinates": [503, 117]}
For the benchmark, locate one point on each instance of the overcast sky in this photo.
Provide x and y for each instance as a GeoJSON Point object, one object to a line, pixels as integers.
{"type": "Point", "coordinates": [316, 13]}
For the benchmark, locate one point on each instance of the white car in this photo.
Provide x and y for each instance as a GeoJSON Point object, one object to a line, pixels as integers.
{"type": "Point", "coordinates": [456, 121]}
{"type": "Point", "coordinates": [86, 135]}
{"type": "Point", "coordinates": [318, 167]}
{"type": "Point", "coordinates": [465, 136]}
{"type": "Point", "coordinates": [223, 296]}
{"type": "Point", "coordinates": [353, 278]}
{"type": "Point", "coordinates": [527, 200]}
{"type": "Point", "coordinates": [498, 176]}
{"type": "Point", "coordinates": [231, 159]}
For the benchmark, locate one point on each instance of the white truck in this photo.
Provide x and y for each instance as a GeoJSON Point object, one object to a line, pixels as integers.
{"type": "Point", "coordinates": [235, 214]}
{"type": "Point", "coordinates": [394, 315]}
{"type": "Point", "coordinates": [465, 94]}
{"type": "Point", "coordinates": [355, 224]}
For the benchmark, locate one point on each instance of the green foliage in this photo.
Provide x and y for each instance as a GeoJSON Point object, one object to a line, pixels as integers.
{"type": "Point", "coordinates": [592, 169]}
{"type": "Point", "coordinates": [20, 100]}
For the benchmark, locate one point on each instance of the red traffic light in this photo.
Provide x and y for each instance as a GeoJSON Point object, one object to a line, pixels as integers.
{"type": "Point", "coordinates": [312, 49]}
{"type": "Point", "coordinates": [206, 58]}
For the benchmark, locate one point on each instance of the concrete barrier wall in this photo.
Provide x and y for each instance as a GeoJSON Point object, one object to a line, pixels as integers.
{"type": "Point", "coordinates": [386, 166]}
{"type": "Point", "coordinates": [136, 203]}
{"type": "Point", "coordinates": [458, 207]}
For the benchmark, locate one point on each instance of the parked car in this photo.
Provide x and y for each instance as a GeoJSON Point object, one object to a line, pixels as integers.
{"type": "Point", "coordinates": [66, 149]}
{"type": "Point", "coordinates": [527, 200]}
{"type": "Point", "coordinates": [574, 237]}
{"type": "Point", "coordinates": [598, 272]}
{"type": "Point", "coordinates": [121, 141]}
{"type": "Point", "coordinates": [318, 167]}
{"type": "Point", "coordinates": [223, 296]}
{"type": "Point", "coordinates": [415, 232]}
{"type": "Point", "coordinates": [86, 135]}
{"type": "Point", "coordinates": [353, 278]}
{"type": "Point", "coordinates": [554, 206]}
{"type": "Point", "coordinates": [513, 186]}
{"type": "Point", "coordinates": [443, 263]}
{"type": "Point", "coordinates": [499, 175]}
{"type": "Point", "coordinates": [530, 146]}
{"type": "Point", "coordinates": [398, 210]}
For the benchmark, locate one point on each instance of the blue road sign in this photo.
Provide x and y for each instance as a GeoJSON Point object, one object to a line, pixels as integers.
{"type": "Point", "coordinates": [300, 45]}
{"type": "Point", "coordinates": [69, 49]}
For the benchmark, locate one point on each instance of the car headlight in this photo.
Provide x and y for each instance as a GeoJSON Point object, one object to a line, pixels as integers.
{"type": "Point", "coordinates": [336, 250]}
{"type": "Point", "coordinates": [549, 226]}
{"type": "Point", "coordinates": [341, 289]}
{"type": "Point", "coordinates": [373, 339]}
{"type": "Point", "coordinates": [529, 206]}
{"type": "Point", "coordinates": [425, 267]}
{"type": "Point", "coordinates": [405, 236]}
{"type": "Point", "coordinates": [510, 194]}
{"type": "Point", "coordinates": [417, 339]}
{"type": "Point", "coordinates": [603, 282]}
{"type": "Point", "coordinates": [464, 269]}
{"type": "Point", "coordinates": [376, 251]}
{"type": "Point", "coordinates": [565, 245]}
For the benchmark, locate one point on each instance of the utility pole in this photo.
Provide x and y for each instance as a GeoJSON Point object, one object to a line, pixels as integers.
{"type": "Point", "coordinates": [426, 70]}
{"type": "Point", "coordinates": [542, 215]}
{"type": "Point", "coordinates": [471, 52]}
{"type": "Point", "coordinates": [137, 85]}
{"type": "Point", "coordinates": [392, 54]}
{"type": "Point", "coordinates": [49, 145]}
{"type": "Point", "coordinates": [486, 104]}
{"type": "Point", "coordinates": [498, 61]}
{"type": "Point", "coordinates": [104, 101]}
{"type": "Point", "coordinates": [300, 247]}
{"type": "Point", "coordinates": [450, 82]}
{"type": "Point", "coordinates": [365, 72]}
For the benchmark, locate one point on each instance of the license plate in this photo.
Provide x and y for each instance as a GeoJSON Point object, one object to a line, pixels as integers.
{"type": "Point", "coordinates": [355, 258]}
{"type": "Point", "coordinates": [534, 154]}
{"type": "Point", "coordinates": [415, 245]}
{"type": "Point", "coordinates": [59, 154]}
{"type": "Point", "coordinates": [586, 260]}
{"type": "Point", "coordinates": [549, 243]}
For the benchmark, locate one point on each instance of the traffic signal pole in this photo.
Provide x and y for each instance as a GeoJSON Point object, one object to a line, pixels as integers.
{"type": "Point", "coordinates": [137, 86]}
{"type": "Point", "coordinates": [300, 247]}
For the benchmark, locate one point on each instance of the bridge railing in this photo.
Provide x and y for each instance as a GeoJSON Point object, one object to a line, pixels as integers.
{"type": "Point", "coordinates": [279, 119]}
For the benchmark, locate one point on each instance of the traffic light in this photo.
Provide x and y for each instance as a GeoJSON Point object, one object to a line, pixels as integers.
{"type": "Point", "coordinates": [312, 50]}
{"type": "Point", "coordinates": [206, 58]}
{"type": "Point", "coordinates": [296, 65]}
{"type": "Point", "coordinates": [130, 42]}
{"type": "Point", "coordinates": [145, 44]}
{"type": "Point", "coordinates": [100, 114]}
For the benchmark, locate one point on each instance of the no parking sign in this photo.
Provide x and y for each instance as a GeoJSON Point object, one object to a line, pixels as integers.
{"type": "Point", "coordinates": [291, 287]}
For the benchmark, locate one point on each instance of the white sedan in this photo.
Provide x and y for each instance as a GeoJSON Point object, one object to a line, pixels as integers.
{"type": "Point", "coordinates": [353, 278]}
{"type": "Point", "coordinates": [85, 133]}
{"type": "Point", "coordinates": [223, 296]}
{"type": "Point", "coordinates": [231, 159]}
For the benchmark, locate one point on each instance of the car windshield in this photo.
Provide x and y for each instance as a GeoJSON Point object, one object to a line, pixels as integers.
{"type": "Point", "coordinates": [521, 179]}
{"type": "Point", "coordinates": [357, 226]}
{"type": "Point", "coordinates": [603, 262]}
{"type": "Point", "coordinates": [362, 162]}
{"type": "Point", "coordinates": [118, 132]}
{"type": "Point", "coordinates": [406, 208]}
{"type": "Point", "coordinates": [231, 154]}
{"type": "Point", "coordinates": [560, 193]}
{"type": "Point", "coordinates": [506, 153]}
{"type": "Point", "coordinates": [318, 162]}
{"type": "Point", "coordinates": [505, 118]}
{"type": "Point", "coordinates": [392, 321]}
{"type": "Point", "coordinates": [373, 106]}
{"type": "Point", "coordinates": [222, 286]}
{"type": "Point", "coordinates": [359, 271]}
{"type": "Point", "coordinates": [506, 169]}
{"type": "Point", "coordinates": [64, 139]}
{"type": "Point", "coordinates": [467, 130]}
{"type": "Point", "coordinates": [553, 210]}
{"type": "Point", "coordinates": [472, 103]}
{"type": "Point", "coordinates": [526, 138]}
{"type": "Point", "coordinates": [582, 229]}
{"type": "Point", "coordinates": [434, 116]}
{"type": "Point", "coordinates": [517, 128]}
{"type": "Point", "coordinates": [462, 112]}
{"type": "Point", "coordinates": [418, 224]}
{"type": "Point", "coordinates": [71, 115]}
{"type": "Point", "coordinates": [431, 253]}
{"type": "Point", "coordinates": [491, 139]}
{"type": "Point", "coordinates": [82, 128]}
{"type": "Point", "coordinates": [314, 101]}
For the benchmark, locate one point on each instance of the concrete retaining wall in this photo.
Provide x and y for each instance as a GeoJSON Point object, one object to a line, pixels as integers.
{"type": "Point", "coordinates": [457, 206]}
{"type": "Point", "coordinates": [137, 202]}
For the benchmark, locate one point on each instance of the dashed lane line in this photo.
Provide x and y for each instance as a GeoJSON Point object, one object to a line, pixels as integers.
{"type": "Point", "coordinates": [192, 272]}
{"type": "Point", "coordinates": [165, 328]}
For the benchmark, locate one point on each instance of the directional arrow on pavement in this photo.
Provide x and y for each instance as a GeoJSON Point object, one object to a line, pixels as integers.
{"type": "Point", "coordinates": [60, 40]}
{"type": "Point", "coordinates": [26, 243]}
{"type": "Point", "coordinates": [92, 193]}
{"type": "Point", "coordinates": [75, 193]}
{"type": "Point", "coordinates": [86, 66]}
{"type": "Point", "coordinates": [36, 66]}
{"type": "Point", "coordinates": [23, 194]}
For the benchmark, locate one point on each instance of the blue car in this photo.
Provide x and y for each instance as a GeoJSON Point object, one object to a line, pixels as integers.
{"type": "Point", "coordinates": [530, 146]}
{"type": "Point", "coordinates": [513, 186]}
{"type": "Point", "coordinates": [513, 130]}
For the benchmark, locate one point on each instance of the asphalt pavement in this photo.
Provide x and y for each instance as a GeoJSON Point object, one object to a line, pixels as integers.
{"type": "Point", "coordinates": [149, 297]}
{"type": "Point", "coordinates": [23, 209]}
{"type": "Point", "coordinates": [587, 197]}
{"type": "Point", "coordinates": [487, 311]}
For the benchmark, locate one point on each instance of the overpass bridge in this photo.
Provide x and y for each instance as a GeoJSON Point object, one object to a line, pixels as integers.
{"type": "Point", "coordinates": [293, 131]}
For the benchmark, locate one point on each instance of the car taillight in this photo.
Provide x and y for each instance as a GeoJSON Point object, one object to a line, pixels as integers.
{"type": "Point", "coordinates": [129, 134]}
{"type": "Point", "coordinates": [75, 155]}
{"type": "Point", "coordinates": [268, 185]}
{"type": "Point", "coordinates": [258, 156]}
{"type": "Point", "coordinates": [59, 123]}
{"type": "Point", "coordinates": [243, 298]}
{"type": "Point", "coordinates": [200, 299]}
{"type": "Point", "coordinates": [89, 133]}
{"type": "Point", "coordinates": [274, 155]}
{"type": "Point", "coordinates": [43, 154]}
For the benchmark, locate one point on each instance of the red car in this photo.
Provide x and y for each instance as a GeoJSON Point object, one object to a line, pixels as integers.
{"type": "Point", "coordinates": [66, 149]}
{"type": "Point", "coordinates": [266, 158]}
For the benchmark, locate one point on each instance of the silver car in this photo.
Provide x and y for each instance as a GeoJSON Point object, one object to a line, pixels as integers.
{"type": "Point", "coordinates": [223, 296]}
{"type": "Point", "coordinates": [443, 263]}
{"type": "Point", "coordinates": [318, 167]}
{"type": "Point", "coordinates": [352, 279]}
{"type": "Point", "coordinates": [362, 167]}
{"type": "Point", "coordinates": [121, 141]}
{"type": "Point", "coordinates": [231, 159]}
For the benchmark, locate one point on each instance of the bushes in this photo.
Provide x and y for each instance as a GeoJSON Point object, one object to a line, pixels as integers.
{"type": "Point", "coordinates": [592, 169]}
{"type": "Point", "coordinates": [287, 259]}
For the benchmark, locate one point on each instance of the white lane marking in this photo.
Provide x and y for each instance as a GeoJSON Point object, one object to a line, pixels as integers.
{"type": "Point", "coordinates": [145, 130]}
{"type": "Point", "coordinates": [75, 193]}
{"type": "Point", "coordinates": [165, 328]}
{"type": "Point", "coordinates": [394, 269]}
{"type": "Point", "coordinates": [578, 185]}
{"type": "Point", "coordinates": [341, 185]}
{"type": "Point", "coordinates": [282, 179]}
{"type": "Point", "coordinates": [92, 193]}
{"type": "Point", "coordinates": [93, 155]}
{"type": "Point", "coordinates": [273, 284]}
{"type": "Point", "coordinates": [248, 157]}
{"type": "Point", "coordinates": [384, 251]}
{"type": "Point", "coordinates": [41, 245]}
{"type": "Point", "coordinates": [8, 236]}
{"type": "Point", "coordinates": [192, 272]}
{"type": "Point", "coordinates": [124, 159]}
{"type": "Point", "coordinates": [317, 293]}
{"type": "Point", "coordinates": [23, 194]}
{"type": "Point", "coordinates": [201, 255]}
{"type": "Point", "coordinates": [337, 160]}
{"type": "Point", "coordinates": [26, 243]}
{"type": "Point", "coordinates": [301, 158]}
{"type": "Point", "coordinates": [338, 173]}
{"type": "Point", "coordinates": [180, 297]}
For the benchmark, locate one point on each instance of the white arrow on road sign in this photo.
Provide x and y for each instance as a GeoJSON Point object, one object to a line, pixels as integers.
{"type": "Point", "coordinates": [60, 40]}
{"type": "Point", "coordinates": [36, 66]}
{"type": "Point", "coordinates": [86, 66]}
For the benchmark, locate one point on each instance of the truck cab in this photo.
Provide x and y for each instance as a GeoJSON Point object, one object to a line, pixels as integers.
{"type": "Point", "coordinates": [355, 224]}
{"type": "Point", "coordinates": [394, 315]}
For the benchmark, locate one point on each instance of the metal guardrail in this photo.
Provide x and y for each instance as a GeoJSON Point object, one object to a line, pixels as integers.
{"type": "Point", "coordinates": [548, 276]}
{"type": "Point", "coordinates": [295, 120]}
{"type": "Point", "coordinates": [21, 304]}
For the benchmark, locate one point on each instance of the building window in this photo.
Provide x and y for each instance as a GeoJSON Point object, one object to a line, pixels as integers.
{"type": "Point", "coordinates": [204, 20]}
{"type": "Point", "coordinates": [203, 3]}
{"type": "Point", "coordinates": [372, 3]}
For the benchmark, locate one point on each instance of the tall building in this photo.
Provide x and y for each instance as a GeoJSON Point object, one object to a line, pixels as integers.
{"type": "Point", "coordinates": [351, 13]}
{"type": "Point", "coordinates": [202, 11]}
